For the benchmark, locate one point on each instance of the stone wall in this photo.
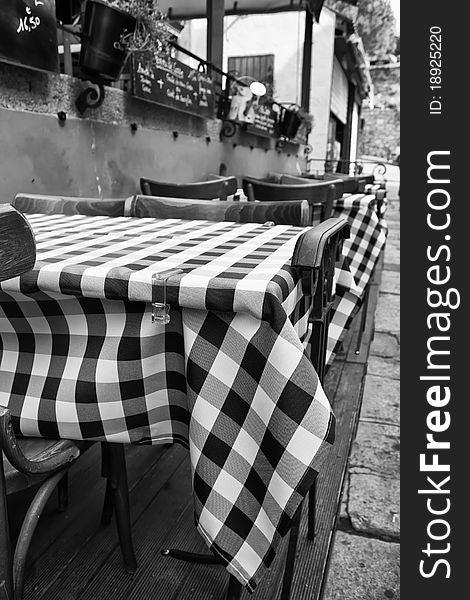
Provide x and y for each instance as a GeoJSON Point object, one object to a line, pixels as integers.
{"type": "Point", "coordinates": [380, 134]}
{"type": "Point", "coordinates": [101, 154]}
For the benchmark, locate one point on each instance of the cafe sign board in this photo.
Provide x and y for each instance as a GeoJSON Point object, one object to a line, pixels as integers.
{"type": "Point", "coordinates": [266, 119]}
{"type": "Point", "coordinates": [257, 115]}
{"type": "Point", "coordinates": [169, 82]}
{"type": "Point", "coordinates": [28, 34]}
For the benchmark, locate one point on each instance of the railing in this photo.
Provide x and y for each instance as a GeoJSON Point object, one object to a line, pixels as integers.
{"type": "Point", "coordinates": [356, 167]}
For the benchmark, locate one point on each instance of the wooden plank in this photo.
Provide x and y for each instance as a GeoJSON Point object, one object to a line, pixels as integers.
{"type": "Point", "coordinates": [84, 535]}
{"type": "Point", "coordinates": [64, 205]}
{"type": "Point", "coordinates": [80, 520]}
{"type": "Point", "coordinates": [160, 516]}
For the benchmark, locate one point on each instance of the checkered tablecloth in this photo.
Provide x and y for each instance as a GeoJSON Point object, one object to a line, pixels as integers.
{"type": "Point", "coordinates": [361, 250]}
{"type": "Point", "coordinates": [228, 376]}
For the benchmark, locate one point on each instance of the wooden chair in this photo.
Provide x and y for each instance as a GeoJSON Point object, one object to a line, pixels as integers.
{"type": "Point", "coordinates": [27, 462]}
{"type": "Point", "coordinates": [280, 213]}
{"type": "Point", "coordinates": [353, 184]}
{"type": "Point", "coordinates": [321, 193]}
{"type": "Point", "coordinates": [285, 179]}
{"type": "Point", "coordinates": [218, 188]}
{"type": "Point", "coordinates": [24, 462]}
{"type": "Point", "coordinates": [65, 205]}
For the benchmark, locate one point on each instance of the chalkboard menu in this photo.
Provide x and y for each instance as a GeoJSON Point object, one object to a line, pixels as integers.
{"type": "Point", "coordinates": [266, 119]}
{"type": "Point", "coordinates": [169, 82]}
{"type": "Point", "coordinates": [28, 34]}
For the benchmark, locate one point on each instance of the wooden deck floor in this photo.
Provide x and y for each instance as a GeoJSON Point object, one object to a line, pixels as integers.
{"type": "Point", "coordinates": [73, 557]}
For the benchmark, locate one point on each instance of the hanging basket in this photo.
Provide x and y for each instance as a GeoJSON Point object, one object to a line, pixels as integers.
{"type": "Point", "coordinates": [105, 38]}
{"type": "Point", "coordinates": [290, 123]}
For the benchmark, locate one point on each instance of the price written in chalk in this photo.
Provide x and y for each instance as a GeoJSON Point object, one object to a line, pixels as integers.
{"type": "Point", "coordinates": [28, 33]}
{"type": "Point", "coordinates": [29, 22]}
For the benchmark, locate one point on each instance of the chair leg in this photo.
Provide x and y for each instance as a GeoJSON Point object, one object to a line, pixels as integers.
{"type": "Point", "coordinates": [362, 327]}
{"type": "Point", "coordinates": [234, 591]}
{"type": "Point", "coordinates": [120, 493]}
{"type": "Point", "coordinates": [6, 566]}
{"type": "Point", "coordinates": [312, 499]}
{"type": "Point", "coordinates": [108, 503]}
{"type": "Point", "coordinates": [63, 493]}
{"type": "Point", "coordinates": [291, 552]}
{"type": "Point", "coordinates": [27, 531]}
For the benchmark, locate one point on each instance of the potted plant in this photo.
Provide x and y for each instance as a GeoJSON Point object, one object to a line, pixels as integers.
{"type": "Point", "coordinates": [114, 28]}
{"type": "Point", "coordinates": [292, 118]}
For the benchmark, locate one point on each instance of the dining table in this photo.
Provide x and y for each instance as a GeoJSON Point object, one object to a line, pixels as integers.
{"type": "Point", "coordinates": [361, 251]}
{"type": "Point", "coordinates": [146, 331]}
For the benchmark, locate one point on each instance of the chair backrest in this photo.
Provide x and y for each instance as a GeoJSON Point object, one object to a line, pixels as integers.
{"type": "Point", "coordinates": [353, 184]}
{"type": "Point", "coordinates": [218, 188]}
{"type": "Point", "coordinates": [33, 203]}
{"type": "Point", "coordinates": [315, 254]}
{"type": "Point", "coordinates": [322, 194]}
{"type": "Point", "coordinates": [294, 180]}
{"type": "Point", "coordinates": [280, 213]}
{"type": "Point", "coordinates": [17, 244]}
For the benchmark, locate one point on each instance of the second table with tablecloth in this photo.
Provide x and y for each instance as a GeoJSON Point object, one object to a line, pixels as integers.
{"type": "Point", "coordinates": [368, 234]}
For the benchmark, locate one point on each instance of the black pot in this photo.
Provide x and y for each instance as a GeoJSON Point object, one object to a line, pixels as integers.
{"type": "Point", "coordinates": [290, 124]}
{"type": "Point", "coordinates": [104, 42]}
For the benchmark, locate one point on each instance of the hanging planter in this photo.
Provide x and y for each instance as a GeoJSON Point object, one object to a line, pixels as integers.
{"type": "Point", "coordinates": [292, 118]}
{"type": "Point", "coordinates": [105, 39]}
{"type": "Point", "coordinates": [289, 124]}
{"type": "Point", "coordinates": [113, 29]}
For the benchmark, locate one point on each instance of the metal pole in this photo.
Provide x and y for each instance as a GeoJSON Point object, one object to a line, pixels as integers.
{"type": "Point", "coordinates": [307, 61]}
{"type": "Point", "coordinates": [215, 34]}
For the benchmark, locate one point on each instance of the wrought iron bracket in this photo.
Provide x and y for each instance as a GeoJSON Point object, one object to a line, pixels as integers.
{"type": "Point", "coordinates": [229, 128]}
{"type": "Point", "coordinates": [90, 97]}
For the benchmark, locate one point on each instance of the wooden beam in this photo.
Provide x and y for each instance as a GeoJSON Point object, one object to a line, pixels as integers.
{"type": "Point", "coordinates": [215, 34]}
{"type": "Point", "coordinates": [346, 145]}
{"type": "Point", "coordinates": [307, 61]}
{"type": "Point", "coordinates": [68, 65]}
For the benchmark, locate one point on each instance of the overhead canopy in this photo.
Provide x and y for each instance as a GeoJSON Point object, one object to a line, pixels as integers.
{"type": "Point", "coordinates": [193, 9]}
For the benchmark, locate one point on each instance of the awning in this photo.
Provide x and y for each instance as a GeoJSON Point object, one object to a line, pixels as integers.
{"type": "Point", "coordinates": [193, 9]}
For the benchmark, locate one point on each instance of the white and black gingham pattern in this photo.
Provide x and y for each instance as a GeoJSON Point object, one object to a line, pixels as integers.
{"type": "Point", "coordinates": [366, 239]}
{"type": "Point", "coordinates": [228, 376]}
{"type": "Point", "coordinates": [361, 250]}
